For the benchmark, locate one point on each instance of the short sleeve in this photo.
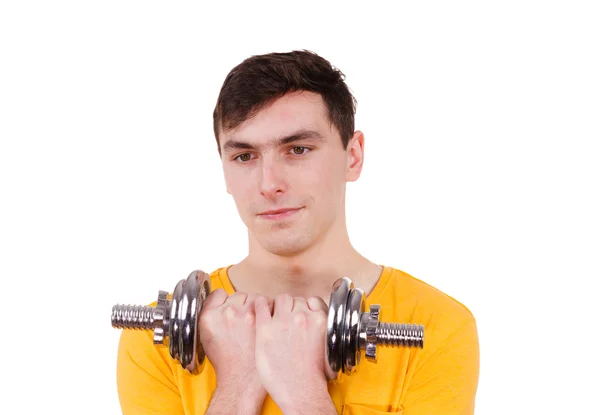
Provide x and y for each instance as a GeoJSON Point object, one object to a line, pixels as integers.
{"type": "Point", "coordinates": [446, 381]}
{"type": "Point", "coordinates": [145, 379]}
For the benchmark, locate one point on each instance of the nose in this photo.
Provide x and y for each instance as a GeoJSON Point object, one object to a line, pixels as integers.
{"type": "Point", "coordinates": [272, 181]}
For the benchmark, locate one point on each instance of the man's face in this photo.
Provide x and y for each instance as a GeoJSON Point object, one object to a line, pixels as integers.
{"type": "Point", "coordinates": [286, 170]}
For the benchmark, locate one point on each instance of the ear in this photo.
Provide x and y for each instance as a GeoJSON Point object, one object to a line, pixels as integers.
{"type": "Point", "coordinates": [355, 156]}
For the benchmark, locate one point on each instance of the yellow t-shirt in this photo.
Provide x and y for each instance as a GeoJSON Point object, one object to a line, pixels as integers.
{"type": "Point", "coordinates": [440, 379]}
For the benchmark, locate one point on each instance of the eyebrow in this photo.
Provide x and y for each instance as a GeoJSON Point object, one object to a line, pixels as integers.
{"type": "Point", "coordinates": [304, 135]}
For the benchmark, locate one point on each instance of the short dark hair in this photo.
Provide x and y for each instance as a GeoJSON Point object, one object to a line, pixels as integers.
{"type": "Point", "coordinates": [261, 79]}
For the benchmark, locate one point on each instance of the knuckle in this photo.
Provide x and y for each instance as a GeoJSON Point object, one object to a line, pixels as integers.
{"type": "Point", "coordinates": [321, 319]}
{"type": "Point", "coordinates": [249, 318]}
{"type": "Point", "coordinates": [208, 322]}
{"type": "Point", "coordinates": [215, 299]}
{"type": "Point", "coordinates": [229, 313]}
{"type": "Point", "coordinates": [282, 299]}
{"type": "Point", "coordinates": [237, 296]}
{"type": "Point", "coordinates": [317, 304]}
{"type": "Point", "coordinates": [299, 319]}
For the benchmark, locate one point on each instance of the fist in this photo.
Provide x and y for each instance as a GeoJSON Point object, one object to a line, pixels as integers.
{"type": "Point", "coordinates": [228, 336]}
{"type": "Point", "coordinates": [291, 346]}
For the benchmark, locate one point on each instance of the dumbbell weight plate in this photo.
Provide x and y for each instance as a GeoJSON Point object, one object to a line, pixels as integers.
{"type": "Point", "coordinates": [204, 281]}
{"type": "Point", "coordinates": [355, 306]}
{"type": "Point", "coordinates": [335, 322]}
{"type": "Point", "coordinates": [175, 321]}
{"type": "Point", "coordinates": [188, 299]}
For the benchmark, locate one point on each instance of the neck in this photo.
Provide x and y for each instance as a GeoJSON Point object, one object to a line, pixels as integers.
{"type": "Point", "coordinates": [310, 272]}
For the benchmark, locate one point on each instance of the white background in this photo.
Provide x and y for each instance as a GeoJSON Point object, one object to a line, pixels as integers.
{"type": "Point", "coordinates": [481, 175]}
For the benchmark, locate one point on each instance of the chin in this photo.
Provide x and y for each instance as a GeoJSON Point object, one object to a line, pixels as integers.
{"type": "Point", "coordinates": [285, 246]}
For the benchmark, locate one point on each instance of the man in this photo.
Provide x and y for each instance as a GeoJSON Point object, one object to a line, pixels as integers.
{"type": "Point", "coordinates": [284, 125]}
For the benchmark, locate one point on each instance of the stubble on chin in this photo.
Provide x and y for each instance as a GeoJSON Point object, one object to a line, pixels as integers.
{"type": "Point", "coordinates": [284, 243]}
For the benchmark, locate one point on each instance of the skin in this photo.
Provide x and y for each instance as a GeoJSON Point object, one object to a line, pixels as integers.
{"type": "Point", "coordinates": [292, 261]}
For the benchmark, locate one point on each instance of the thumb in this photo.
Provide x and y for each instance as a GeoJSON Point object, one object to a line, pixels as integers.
{"type": "Point", "coordinates": [318, 304]}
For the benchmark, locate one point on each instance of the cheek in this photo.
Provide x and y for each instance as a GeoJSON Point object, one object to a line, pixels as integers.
{"type": "Point", "coordinates": [239, 188]}
{"type": "Point", "coordinates": [237, 181]}
{"type": "Point", "coordinates": [242, 197]}
{"type": "Point", "coordinates": [326, 185]}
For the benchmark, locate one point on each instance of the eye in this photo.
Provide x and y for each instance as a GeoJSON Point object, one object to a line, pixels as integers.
{"type": "Point", "coordinates": [243, 157]}
{"type": "Point", "coordinates": [301, 150]}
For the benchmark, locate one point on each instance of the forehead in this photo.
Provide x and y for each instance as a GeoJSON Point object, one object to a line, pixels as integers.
{"type": "Point", "coordinates": [294, 111]}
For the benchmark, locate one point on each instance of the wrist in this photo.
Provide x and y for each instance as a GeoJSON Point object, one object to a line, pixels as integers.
{"type": "Point", "coordinates": [316, 401]}
{"type": "Point", "coordinates": [243, 399]}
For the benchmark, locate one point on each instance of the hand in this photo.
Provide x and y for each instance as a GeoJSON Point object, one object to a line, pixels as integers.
{"type": "Point", "coordinates": [228, 335]}
{"type": "Point", "coordinates": [291, 349]}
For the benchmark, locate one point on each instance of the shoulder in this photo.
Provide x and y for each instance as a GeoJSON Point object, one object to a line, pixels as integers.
{"type": "Point", "coordinates": [413, 300]}
{"type": "Point", "coordinates": [430, 296]}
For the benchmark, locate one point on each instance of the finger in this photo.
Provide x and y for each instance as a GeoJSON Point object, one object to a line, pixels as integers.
{"type": "Point", "coordinates": [215, 299]}
{"type": "Point", "coordinates": [283, 305]}
{"type": "Point", "coordinates": [250, 299]}
{"type": "Point", "coordinates": [262, 311]}
{"type": "Point", "coordinates": [299, 304]}
{"type": "Point", "coordinates": [237, 298]}
{"type": "Point", "coordinates": [317, 304]}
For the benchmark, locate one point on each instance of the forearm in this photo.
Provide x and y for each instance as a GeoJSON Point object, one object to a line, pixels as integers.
{"type": "Point", "coordinates": [229, 401]}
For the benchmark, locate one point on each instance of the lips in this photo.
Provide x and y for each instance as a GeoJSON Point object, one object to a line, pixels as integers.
{"type": "Point", "coordinates": [277, 211]}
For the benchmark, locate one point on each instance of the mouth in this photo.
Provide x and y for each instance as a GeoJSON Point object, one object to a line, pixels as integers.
{"type": "Point", "coordinates": [278, 213]}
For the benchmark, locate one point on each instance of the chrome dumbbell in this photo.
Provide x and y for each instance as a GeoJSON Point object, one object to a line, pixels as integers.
{"type": "Point", "coordinates": [350, 329]}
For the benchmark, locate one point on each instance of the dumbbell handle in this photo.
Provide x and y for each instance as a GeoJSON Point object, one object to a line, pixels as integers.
{"type": "Point", "coordinates": [133, 317]}
{"type": "Point", "coordinates": [388, 334]}
{"type": "Point", "coordinates": [141, 317]}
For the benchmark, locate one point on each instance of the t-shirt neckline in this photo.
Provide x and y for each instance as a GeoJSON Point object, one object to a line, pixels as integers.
{"type": "Point", "coordinates": [382, 282]}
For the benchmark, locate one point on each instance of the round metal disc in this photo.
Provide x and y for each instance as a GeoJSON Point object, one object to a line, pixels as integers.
{"type": "Point", "coordinates": [354, 310]}
{"type": "Point", "coordinates": [174, 321]}
{"type": "Point", "coordinates": [204, 282]}
{"type": "Point", "coordinates": [188, 316]}
{"type": "Point", "coordinates": [335, 322]}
